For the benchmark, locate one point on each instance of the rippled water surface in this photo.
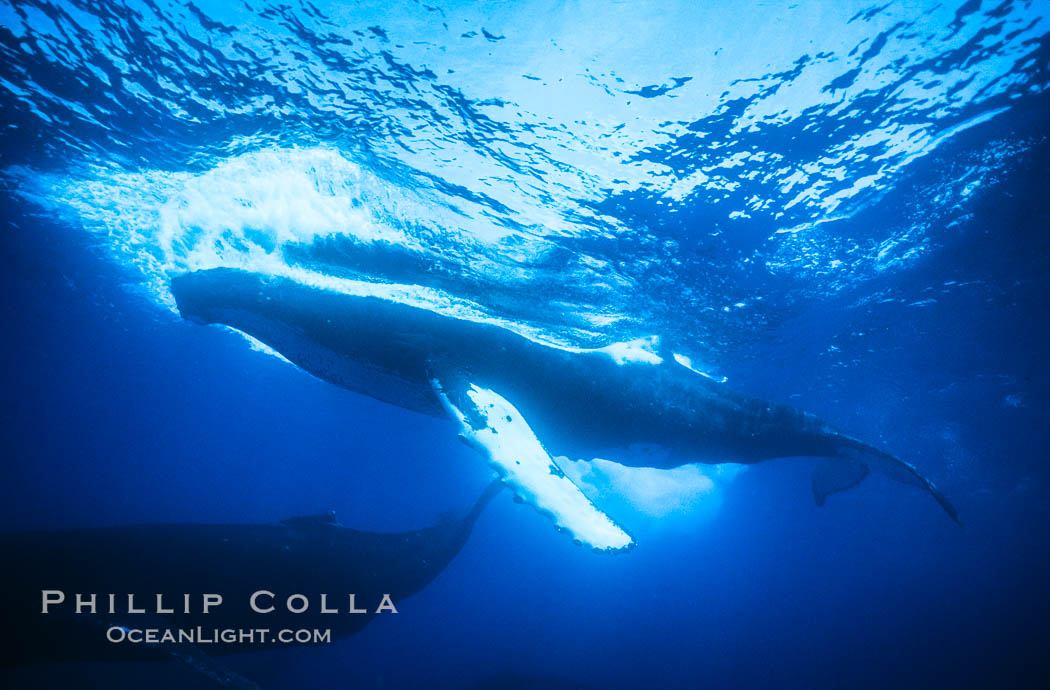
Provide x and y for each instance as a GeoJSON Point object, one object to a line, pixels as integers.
{"type": "Point", "coordinates": [666, 177]}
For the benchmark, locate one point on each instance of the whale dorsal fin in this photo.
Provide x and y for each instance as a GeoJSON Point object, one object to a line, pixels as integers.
{"type": "Point", "coordinates": [687, 362]}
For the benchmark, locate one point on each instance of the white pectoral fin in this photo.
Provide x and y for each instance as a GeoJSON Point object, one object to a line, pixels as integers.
{"type": "Point", "coordinates": [489, 422]}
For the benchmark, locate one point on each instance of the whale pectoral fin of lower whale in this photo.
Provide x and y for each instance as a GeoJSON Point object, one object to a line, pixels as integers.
{"type": "Point", "coordinates": [189, 655]}
{"type": "Point", "coordinates": [494, 426]}
{"type": "Point", "coordinates": [836, 475]}
{"type": "Point", "coordinates": [208, 667]}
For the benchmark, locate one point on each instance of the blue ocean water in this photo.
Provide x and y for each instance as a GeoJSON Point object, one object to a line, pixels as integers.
{"type": "Point", "coordinates": [838, 206]}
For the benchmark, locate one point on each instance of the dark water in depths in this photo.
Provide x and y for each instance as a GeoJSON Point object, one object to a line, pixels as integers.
{"type": "Point", "coordinates": [839, 206]}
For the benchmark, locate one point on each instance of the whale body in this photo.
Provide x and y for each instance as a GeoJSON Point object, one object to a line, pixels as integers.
{"type": "Point", "coordinates": [311, 556]}
{"type": "Point", "coordinates": [523, 401]}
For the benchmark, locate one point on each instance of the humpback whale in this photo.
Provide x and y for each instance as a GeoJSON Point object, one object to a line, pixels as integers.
{"type": "Point", "coordinates": [523, 401]}
{"type": "Point", "coordinates": [168, 569]}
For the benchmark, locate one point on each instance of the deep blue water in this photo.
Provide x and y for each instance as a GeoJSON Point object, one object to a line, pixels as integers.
{"type": "Point", "coordinates": [838, 206]}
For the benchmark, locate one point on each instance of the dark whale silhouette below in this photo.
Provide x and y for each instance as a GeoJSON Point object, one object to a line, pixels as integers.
{"type": "Point", "coordinates": [507, 391]}
{"type": "Point", "coordinates": [311, 556]}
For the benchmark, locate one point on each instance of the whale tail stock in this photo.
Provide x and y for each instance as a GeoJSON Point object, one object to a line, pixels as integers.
{"type": "Point", "coordinates": [467, 519]}
{"type": "Point", "coordinates": [855, 459]}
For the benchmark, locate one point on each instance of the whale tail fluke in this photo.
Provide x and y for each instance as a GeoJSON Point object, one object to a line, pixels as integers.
{"type": "Point", "coordinates": [855, 459]}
